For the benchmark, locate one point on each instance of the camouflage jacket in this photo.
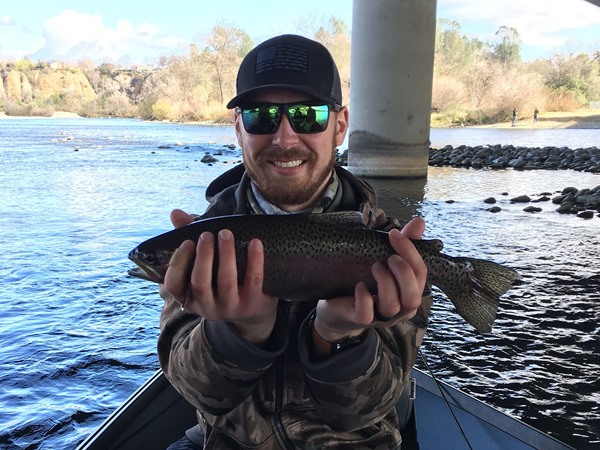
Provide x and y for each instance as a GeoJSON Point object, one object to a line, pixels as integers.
{"type": "Point", "coordinates": [278, 396]}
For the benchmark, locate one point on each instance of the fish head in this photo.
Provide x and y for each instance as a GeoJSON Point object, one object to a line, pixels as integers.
{"type": "Point", "coordinates": [152, 264]}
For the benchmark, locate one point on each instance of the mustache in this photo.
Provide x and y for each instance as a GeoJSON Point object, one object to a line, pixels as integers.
{"type": "Point", "coordinates": [277, 154]}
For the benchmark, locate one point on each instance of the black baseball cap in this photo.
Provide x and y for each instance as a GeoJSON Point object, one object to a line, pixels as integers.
{"type": "Point", "coordinates": [289, 61]}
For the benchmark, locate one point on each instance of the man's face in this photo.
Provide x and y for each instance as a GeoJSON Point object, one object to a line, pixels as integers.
{"type": "Point", "coordinates": [290, 169]}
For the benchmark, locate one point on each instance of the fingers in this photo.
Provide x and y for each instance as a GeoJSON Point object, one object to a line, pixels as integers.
{"type": "Point", "coordinates": [388, 294]}
{"type": "Point", "coordinates": [400, 284]}
{"type": "Point", "coordinates": [202, 274]}
{"type": "Point", "coordinates": [364, 307]}
{"type": "Point", "coordinates": [254, 276]}
{"type": "Point", "coordinates": [408, 253]}
{"type": "Point", "coordinates": [228, 297]}
{"type": "Point", "coordinates": [214, 292]}
{"type": "Point", "coordinates": [227, 274]}
{"type": "Point", "coordinates": [410, 288]}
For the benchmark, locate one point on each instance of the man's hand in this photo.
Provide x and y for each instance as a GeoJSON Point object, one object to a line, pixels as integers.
{"type": "Point", "coordinates": [189, 279]}
{"type": "Point", "coordinates": [400, 285]}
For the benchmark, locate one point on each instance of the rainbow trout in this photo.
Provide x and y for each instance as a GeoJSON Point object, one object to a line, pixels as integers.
{"type": "Point", "coordinates": [316, 256]}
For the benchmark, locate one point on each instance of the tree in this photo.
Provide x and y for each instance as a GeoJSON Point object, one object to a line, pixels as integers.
{"type": "Point", "coordinates": [507, 46]}
{"type": "Point", "coordinates": [454, 52]}
{"type": "Point", "coordinates": [225, 48]}
{"type": "Point", "coordinates": [480, 80]}
{"type": "Point", "coordinates": [335, 36]}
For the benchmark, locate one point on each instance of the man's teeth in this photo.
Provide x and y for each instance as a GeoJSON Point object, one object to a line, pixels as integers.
{"type": "Point", "coordinates": [288, 164]}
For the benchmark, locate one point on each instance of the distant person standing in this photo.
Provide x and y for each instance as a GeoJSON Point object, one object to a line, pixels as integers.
{"type": "Point", "coordinates": [536, 113]}
{"type": "Point", "coordinates": [514, 117]}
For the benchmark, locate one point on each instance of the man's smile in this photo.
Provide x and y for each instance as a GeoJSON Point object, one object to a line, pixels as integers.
{"type": "Point", "coordinates": [288, 164]}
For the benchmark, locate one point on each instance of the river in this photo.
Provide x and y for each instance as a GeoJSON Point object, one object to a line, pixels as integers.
{"type": "Point", "coordinates": [78, 336]}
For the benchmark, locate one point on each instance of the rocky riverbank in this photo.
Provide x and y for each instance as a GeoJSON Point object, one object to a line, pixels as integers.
{"type": "Point", "coordinates": [518, 158]}
{"type": "Point", "coordinates": [583, 202]}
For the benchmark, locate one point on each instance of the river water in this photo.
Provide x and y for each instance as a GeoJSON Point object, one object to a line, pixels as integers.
{"type": "Point", "coordinates": [78, 336]}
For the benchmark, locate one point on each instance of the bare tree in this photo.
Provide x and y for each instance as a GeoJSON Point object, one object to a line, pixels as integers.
{"type": "Point", "coordinates": [226, 46]}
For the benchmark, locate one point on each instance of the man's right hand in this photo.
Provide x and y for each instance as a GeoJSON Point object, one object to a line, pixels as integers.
{"type": "Point", "coordinates": [189, 279]}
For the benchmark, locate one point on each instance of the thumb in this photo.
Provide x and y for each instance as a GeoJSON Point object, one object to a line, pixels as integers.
{"type": "Point", "coordinates": [180, 218]}
{"type": "Point", "coordinates": [414, 229]}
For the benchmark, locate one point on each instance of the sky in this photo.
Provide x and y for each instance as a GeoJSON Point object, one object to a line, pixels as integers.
{"type": "Point", "coordinates": [127, 32]}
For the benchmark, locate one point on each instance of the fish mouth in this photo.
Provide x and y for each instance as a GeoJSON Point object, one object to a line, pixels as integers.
{"type": "Point", "coordinates": [144, 271]}
{"type": "Point", "coordinates": [145, 275]}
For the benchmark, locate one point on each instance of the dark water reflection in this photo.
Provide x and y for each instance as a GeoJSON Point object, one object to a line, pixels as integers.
{"type": "Point", "coordinates": [77, 336]}
{"type": "Point", "coordinates": [542, 361]}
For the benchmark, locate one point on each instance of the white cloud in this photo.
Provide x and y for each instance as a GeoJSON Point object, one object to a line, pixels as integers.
{"type": "Point", "coordinates": [540, 23]}
{"type": "Point", "coordinates": [73, 36]}
{"type": "Point", "coordinates": [6, 20]}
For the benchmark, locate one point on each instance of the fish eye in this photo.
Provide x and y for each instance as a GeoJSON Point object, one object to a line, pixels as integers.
{"type": "Point", "coordinates": [150, 258]}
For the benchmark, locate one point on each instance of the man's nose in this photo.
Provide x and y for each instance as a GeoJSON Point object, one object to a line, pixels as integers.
{"type": "Point", "coordinates": [285, 136]}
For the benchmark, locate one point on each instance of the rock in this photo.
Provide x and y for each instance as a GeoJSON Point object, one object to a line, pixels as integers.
{"type": "Point", "coordinates": [521, 199]}
{"type": "Point", "coordinates": [560, 199]}
{"type": "Point", "coordinates": [490, 200]}
{"type": "Point", "coordinates": [586, 199]}
{"type": "Point", "coordinates": [543, 198]}
{"type": "Point", "coordinates": [494, 209]}
{"type": "Point", "coordinates": [532, 209]}
{"type": "Point", "coordinates": [518, 158]}
{"type": "Point", "coordinates": [565, 208]}
{"type": "Point", "coordinates": [586, 214]}
{"type": "Point", "coordinates": [518, 163]}
{"type": "Point", "coordinates": [208, 159]}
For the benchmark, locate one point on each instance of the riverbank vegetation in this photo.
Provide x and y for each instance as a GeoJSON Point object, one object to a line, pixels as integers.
{"type": "Point", "coordinates": [475, 82]}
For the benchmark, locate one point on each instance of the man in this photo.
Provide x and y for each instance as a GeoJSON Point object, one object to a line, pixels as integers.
{"type": "Point", "coordinates": [265, 373]}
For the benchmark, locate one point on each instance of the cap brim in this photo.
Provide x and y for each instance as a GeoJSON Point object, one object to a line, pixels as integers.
{"type": "Point", "coordinates": [240, 98]}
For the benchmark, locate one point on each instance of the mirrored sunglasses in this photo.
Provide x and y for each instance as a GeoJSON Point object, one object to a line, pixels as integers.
{"type": "Point", "coordinates": [305, 117]}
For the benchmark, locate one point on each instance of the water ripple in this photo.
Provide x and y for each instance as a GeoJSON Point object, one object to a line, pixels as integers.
{"type": "Point", "coordinates": [78, 336]}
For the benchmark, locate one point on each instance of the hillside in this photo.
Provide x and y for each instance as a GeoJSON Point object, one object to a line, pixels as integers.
{"type": "Point", "coordinates": [41, 90]}
{"type": "Point", "coordinates": [474, 82]}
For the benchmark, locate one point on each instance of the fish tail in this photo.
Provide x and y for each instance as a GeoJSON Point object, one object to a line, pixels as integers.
{"type": "Point", "coordinates": [477, 298]}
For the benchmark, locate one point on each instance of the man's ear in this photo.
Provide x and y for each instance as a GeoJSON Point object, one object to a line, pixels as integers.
{"type": "Point", "coordinates": [237, 125]}
{"type": "Point", "coordinates": [341, 126]}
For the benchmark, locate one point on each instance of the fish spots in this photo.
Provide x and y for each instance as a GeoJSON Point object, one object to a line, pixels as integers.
{"type": "Point", "coordinates": [308, 257]}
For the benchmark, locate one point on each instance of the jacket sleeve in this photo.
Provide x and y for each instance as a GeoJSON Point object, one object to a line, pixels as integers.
{"type": "Point", "coordinates": [203, 359]}
{"type": "Point", "coordinates": [360, 385]}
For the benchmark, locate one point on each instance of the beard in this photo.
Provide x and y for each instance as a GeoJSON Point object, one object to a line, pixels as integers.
{"type": "Point", "coordinates": [282, 190]}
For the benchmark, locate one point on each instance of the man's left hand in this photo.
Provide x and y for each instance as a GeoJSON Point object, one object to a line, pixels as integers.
{"type": "Point", "coordinates": [400, 285]}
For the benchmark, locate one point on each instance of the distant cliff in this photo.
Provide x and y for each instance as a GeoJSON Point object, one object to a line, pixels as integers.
{"type": "Point", "coordinates": [101, 91]}
{"type": "Point", "coordinates": [28, 85]}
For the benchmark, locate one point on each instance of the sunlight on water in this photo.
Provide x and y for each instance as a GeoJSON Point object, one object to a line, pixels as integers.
{"type": "Point", "coordinates": [78, 336]}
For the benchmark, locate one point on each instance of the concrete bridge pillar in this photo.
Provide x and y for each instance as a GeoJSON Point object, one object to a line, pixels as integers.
{"type": "Point", "coordinates": [391, 75]}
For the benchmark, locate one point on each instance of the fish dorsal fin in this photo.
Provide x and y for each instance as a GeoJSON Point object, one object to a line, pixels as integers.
{"type": "Point", "coordinates": [346, 218]}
